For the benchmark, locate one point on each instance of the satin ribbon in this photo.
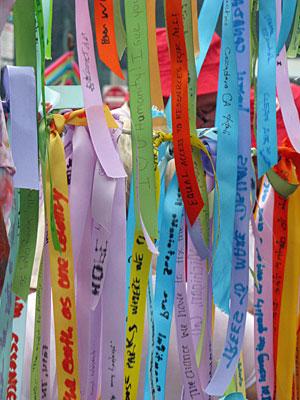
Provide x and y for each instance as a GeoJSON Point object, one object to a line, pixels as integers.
{"type": "Point", "coordinates": [227, 159]}
{"type": "Point", "coordinates": [155, 84]}
{"type": "Point", "coordinates": [140, 108]}
{"type": "Point", "coordinates": [119, 29]}
{"type": "Point", "coordinates": [113, 345]}
{"type": "Point", "coordinates": [263, 299]}
{"type": "Point", "coordinates": [186, 350]}
{"type": "Point", "coordinates": [20, 81]}
{"type": "Point", "coordinates": [35, 383]}
{"type": "Point", "coordinates": [279, 258]}
{"type": "Point", "coordinates": [266, 89]}
{"type": "Point", "coordinates": [288, 12]}
{"type": "Point", "coordinates": [7, 300]}
{"type": "Point", "coordinates": [293, 49]}
{"type": "Point", "coordinates": [15, 374]}
{"type": "Point", "coordinates": [165, 284]}
{"type": "Point", "coordinates": [62, 273]}
{"type": "Point", "coordinates": [140, 267]}
{"type": "Point", "coordinates": [289, 306]}
{"type": "Point", "coordinates": [105, 35]}
{"type": "Point", "coordinates": [285, 95]}
{"type": "Point", "coordinates": [197, 297]}
{"type": "Point", "coordinates": [191, 195]}
{"type": "Point", "coordinates": [102, 143]}
{"type": "Point", "coordinates": [239, 276]}
{"type": "Point", "coordinates": [48, 18]}
{"type": "Point", "coordinates": [81, 183]}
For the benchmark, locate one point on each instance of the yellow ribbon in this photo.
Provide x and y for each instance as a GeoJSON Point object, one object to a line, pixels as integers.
{"type": "Point", "coordinates": [140, 268]}
{"type": "Point", "coordinates": [78, 118]}
{"type": "Point", "coordinates": [62, 273]}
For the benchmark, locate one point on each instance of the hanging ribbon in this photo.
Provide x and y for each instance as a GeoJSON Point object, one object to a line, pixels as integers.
{"type": "Point", "coordinates": [263, 299]}
{"type": "Point", "coordinates": [294, 45]}
{"type": "Point", "coordinates": [112, 365]}
{"type": "Point", "coordinates": [20, 81]}
{"type": "Point", "coordinates": [186, 350]}
{"type": "Point", "coordinates": [227, 160]}
{"type": "Point", "coordinates": [119, 29]}
{"type": "Point", "coordinates": [285, 95]}
{"type": "Point", "coordinates": [266, 89]}
{"type": "Point", "coordinates": [35, 384]}
{"type": "Point", "coordinates": [105, 35]}
{"type": "Point", "coordinates": [140, 107]}
{"type": "Point", "coordinates": [8, 299]}
{"type": "Point", "coordinates": [289, 304]}
{"type": "Point", "coordinates": [165, 284]}
{"type": "Point", "coordinates": [62, 273]}
{"type": "Point", "coordinates": [15, 374]}
{"type": "Point", "coordinates": [140, 267]}
{"type": "Point", "coordinates": [280, 241]}
{"type": "Point", "coordinates": [155, 84]}
{"type": "Point", "coordinates": [102, 143]}
{"type": "Point", "coordinates": [191, 196]}
{"type": "Point", "coordinates": [288, 12]}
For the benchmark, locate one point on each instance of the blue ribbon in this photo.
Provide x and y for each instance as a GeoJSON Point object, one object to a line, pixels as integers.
{"type": "Point", "coordinates": [234, 396]}
{"type": "Point", "coordinates": [267, 155]}
{"type": "Point", "coordinates": [227, 149]}
{"type": "Point", "coordinates": [165, 284]}
{"type": "Point", "coordinates": [240, 243]}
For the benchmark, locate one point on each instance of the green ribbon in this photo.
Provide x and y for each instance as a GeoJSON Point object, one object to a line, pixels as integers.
{"type": "Point", "coordinates": [140, 106]}
{"type": "Point", "coordinates": [284, 188]}
{"type": "Point", "coordinates": [35, 383]}
{"type": "Point", "coordinates": [29, 199]}
{"type": "Point", "coordinates": [197, 160]}
{"type": "Point", "coordinates": [48, 16]}
{"type": "Point", "coordinates": [294, 46]}
{"type": "Point", "coordinates": [119, 29]}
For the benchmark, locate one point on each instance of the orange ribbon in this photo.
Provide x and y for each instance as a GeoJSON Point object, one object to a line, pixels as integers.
{"type": "Point", "coordinates": [105, 35]}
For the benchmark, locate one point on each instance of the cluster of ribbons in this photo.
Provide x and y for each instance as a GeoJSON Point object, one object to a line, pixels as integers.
{"type": "Point", "coordinates": [82, 273]}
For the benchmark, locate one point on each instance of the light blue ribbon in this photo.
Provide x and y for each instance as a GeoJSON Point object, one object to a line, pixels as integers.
{"type": "Point", "coordinates": [165, 284]}
{"type": "Point", "coordinates": [227, 151]}
{"type": "Point", "coordinates": [267, 155]}
{"type": "Point", "coordinates": [234, 396]}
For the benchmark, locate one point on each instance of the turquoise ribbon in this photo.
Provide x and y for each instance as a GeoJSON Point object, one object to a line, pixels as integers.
{"type": "Point", "coordinates": [226, 165]}
{"type": "Point", "coordinates": [266, 89]}
{"type": "Point", "coordinates": [165, 284]}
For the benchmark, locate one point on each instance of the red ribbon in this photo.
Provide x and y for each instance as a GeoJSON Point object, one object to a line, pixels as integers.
{"type": "Point", "coordinates": [188, 184]}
